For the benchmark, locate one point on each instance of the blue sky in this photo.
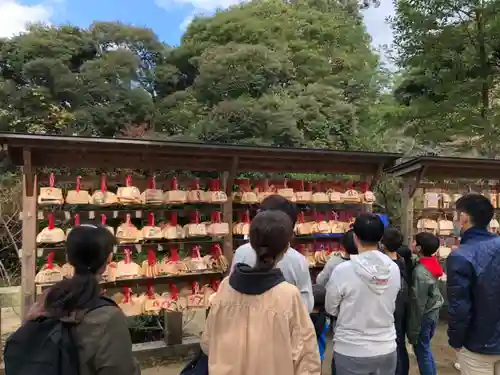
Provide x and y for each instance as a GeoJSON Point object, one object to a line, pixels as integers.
{"type": "Point", "coordinates": [168, 18]}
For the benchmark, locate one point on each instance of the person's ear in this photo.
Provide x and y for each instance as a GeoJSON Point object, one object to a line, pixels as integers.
{"type": "Point", "coordinates": [464, 218]}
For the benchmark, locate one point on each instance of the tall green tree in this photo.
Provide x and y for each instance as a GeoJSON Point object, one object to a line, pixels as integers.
{"type": "Point", "coordinates": [273, 73]}
{"type": "Point", "coordinates": [276, 73]}
{"type": "Point", "coordinates": [78, 81]}
{"type": "Point", "coordinates": [449, 51]}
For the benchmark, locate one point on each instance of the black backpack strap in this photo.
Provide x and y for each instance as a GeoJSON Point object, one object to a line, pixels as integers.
{"type": "Point", "coordinates": [101, 302]}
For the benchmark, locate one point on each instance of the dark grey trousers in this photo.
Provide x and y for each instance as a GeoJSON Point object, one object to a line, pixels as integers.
{"type": "Point", "coordinates": [379, 365]}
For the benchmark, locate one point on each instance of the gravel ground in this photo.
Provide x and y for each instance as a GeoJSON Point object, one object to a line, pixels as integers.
{"type": "Point", "coordinates": [444, 355]}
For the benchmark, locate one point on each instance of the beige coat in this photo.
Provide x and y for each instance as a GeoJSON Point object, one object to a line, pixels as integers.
{"type": "Point", "coordinates": [266, 334]}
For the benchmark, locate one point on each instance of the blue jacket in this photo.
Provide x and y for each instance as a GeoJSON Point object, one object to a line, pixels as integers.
{"type": "Point", "coordinates": [473, 278]}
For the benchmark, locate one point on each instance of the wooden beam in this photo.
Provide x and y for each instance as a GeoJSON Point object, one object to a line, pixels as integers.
{"type": "Point", "coordinates": [407, 211]}
{"type": "Point", "coordinates": [28, 171]}
{"type": "Point", "coordinates": [1, 333]}
{"type": "Point", "coordinates": [138, 180]}
{"type": "Point", "coordinates": [449, 168]}
{"type": "Point", "coordinates": [420, 175]}
{"type": "Point", "coordinates": [376, 176]}
{"type": "Point", "coordinates": [118, 178]}
{"type": "Point", "coordinates": [29, 226]}
{"type": "Point", "coordinates": [155, 148]}
{"type": "Point", "coordinates": [410, 186]}
{"type": "Point", "coordinates": [173, 327]}
{"type": "Point", "coordinates": [227, 208]}
{"type": "Point", "coordinates": [459, 185]}
{"type": "Point", "coordinates": [108, 161]}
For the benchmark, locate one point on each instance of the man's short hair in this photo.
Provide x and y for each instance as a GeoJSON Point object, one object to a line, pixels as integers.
{"type": "Point", "coordinates": [278, 203]}
{"type": "Point", "coordinates": [368, 228]}
{"type": "Point", "coordinates": [348, 243]}
{"type": "Point", "coordinates": [319, 293]}
{"type": "Point", "coordinates": [478, 207]}
{"type": "Point", "coordinates": [428, 243]}
{"type": "Point", "coordinates": [392, 239]}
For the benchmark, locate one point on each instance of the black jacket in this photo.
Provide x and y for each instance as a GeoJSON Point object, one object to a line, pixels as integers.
{"type": "Point", "coordinates": [405, 253]}
{"type": "Point", "coordinates": [402, 299]}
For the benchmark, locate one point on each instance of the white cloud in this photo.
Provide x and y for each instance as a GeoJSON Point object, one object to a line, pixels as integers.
{"type": "Point", "coordinates": [198, 5]}
{"type": "Point", "coordinates": [185, 23]}
{"type": "Point", "coordinates": [14, 16]}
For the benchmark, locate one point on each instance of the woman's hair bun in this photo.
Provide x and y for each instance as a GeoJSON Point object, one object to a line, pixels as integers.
{"type": "Point", "coordinates": [270, 235]}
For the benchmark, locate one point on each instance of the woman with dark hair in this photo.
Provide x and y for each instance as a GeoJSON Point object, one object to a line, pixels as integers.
{"type": "Point", "coordinates": [100, 328]}
{"type": "Point", "coordinates": [349, 248]}
{"type": "Point", "coordinates": [293, 265]}
{"type": "Point", "coordinates": [258, 323]}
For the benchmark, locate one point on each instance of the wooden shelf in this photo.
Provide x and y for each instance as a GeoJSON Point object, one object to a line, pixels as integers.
{"type": "Point", "coordinates": [437, 211]}
{"type": "Point", "coordinates": [331, 236]}
{"type": "Point", "coordinates": [157, 244]}
{"type": "Point", "coordinates": [128, 207]}
{"type": "Point", "coordinates": [158, 279]}
{"type": "Point", "coordinates": [92, 212]}
{"type": "Point", "coordinates": [340, 206]}
{"type": "Point", "coordinates": [162, 159]}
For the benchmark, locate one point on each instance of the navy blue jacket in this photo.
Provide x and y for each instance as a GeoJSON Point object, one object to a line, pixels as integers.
{"type": "Point", "coordinates": [473, 278]}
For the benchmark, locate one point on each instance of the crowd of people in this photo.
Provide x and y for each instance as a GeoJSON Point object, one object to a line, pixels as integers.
{"type": "Point", "coordinates": [379, 295]}
{"type": "Point", "coordinates": [268, 318]}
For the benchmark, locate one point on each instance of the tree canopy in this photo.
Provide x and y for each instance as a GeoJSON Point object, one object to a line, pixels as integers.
{"type": "Point", "coordinates": [273, 73]}
{"type": "Point", "coordinates": [299, 73]}
{"type": "Point", "coordinates": [449, 53]}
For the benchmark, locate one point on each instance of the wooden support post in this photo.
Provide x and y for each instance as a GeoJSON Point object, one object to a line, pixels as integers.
{"type": "Point", "coordinates": [173, 327]}
{"type": "Point", "coordinates": [1, 334]}
{"type": "Point", "coordinates": [407, 211]}
{"type": "Point", "coordinates": [410, 187]}
{"type": "Point", "coordinates": [376, 176]}
{"type": "Point", "coordinates": [227, 209]}
{"type": "Point", "coordinates": [29, 226]}
{"type": "Point", "coordinates": [367, 207]}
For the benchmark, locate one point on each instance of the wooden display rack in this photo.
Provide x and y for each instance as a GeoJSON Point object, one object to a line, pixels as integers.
{"type": "Point", "coordinates": [431, 172]}
{"type": "Point", "coordinates": [33, 152]}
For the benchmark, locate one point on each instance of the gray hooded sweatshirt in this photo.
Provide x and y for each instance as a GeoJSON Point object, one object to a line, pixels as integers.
{"type": "Point", "coordinates": [324, 276]}
{"type": "Point", "coordinates": [362, 295]}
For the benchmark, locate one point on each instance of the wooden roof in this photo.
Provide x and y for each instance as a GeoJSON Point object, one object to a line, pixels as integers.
{"type": "Point", "coordinates": [448, 168]}
{"type": "Point", "coordinates": [93, 152]}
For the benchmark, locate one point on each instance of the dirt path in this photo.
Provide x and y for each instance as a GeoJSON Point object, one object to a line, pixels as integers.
{"type": "Point", "coordinates": [444, 355]}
